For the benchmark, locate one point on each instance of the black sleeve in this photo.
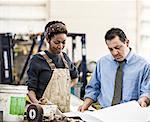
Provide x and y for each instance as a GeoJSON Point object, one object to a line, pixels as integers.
{"type": "Point", "coordinates": [72, 67]}
{"type": "Point", "coordinates": [33, 72]}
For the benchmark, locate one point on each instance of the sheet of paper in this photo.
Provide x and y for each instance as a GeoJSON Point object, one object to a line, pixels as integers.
{"type": "Point", "coordinates": [75, 102]}
{"type": "Point", "coordinates": [126, 112]}
{"type": "Point", "coordinates": [85, 117]}
{"type": "Point", "coordinates": [147, 109]}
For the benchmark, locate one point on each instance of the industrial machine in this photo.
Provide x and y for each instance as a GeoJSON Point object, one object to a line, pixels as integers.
{"type": "Point", "coordinates": [48, 113]}
{"type": "Point", "coordinates": [6, 56]}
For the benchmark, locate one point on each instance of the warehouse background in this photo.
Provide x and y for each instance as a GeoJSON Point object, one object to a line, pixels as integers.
{"type": "Point", "coordinates": [21, 35]}
{"type": "Point", "coordinates": [92, 17]}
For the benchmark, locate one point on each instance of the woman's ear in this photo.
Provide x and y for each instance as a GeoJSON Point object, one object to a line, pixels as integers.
{"type": "Point", "coordinates": [47, 39]}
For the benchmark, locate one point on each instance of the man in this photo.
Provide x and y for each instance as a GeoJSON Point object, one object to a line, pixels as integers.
{"type": "Point", "coordinates": [135, 75]}
{"type": "Point", "coordinates": [51, 73]}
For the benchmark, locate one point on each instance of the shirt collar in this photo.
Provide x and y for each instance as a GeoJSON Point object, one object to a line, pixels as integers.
{"type": "Point", "coordinates": [129, 56]}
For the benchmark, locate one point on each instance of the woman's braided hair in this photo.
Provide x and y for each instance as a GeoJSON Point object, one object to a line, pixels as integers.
{"type": "Point", "coordinates": [55, 27]}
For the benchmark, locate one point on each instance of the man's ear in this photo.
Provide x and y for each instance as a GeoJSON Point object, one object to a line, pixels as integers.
{"type": "Point", "coordinates": [127, 42]}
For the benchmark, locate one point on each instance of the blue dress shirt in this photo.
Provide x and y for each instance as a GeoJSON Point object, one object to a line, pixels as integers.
{"type": "Point", "coordinates": [136, 80]}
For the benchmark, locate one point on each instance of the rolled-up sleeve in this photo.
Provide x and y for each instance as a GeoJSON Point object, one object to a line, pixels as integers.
{"type": "Point", "coordinates": [93, 88]}
{"type": "Point", "coordinates": [145, 84]}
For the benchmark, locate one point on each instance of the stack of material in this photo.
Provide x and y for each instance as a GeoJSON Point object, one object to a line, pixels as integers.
{"type": "Point", "coordinates": [66, 119]}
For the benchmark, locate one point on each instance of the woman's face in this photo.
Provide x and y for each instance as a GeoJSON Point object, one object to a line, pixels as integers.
{"type": "Point", "coordinates": [57, 43]}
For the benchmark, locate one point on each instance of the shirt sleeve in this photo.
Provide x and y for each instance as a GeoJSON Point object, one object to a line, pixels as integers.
{"type": "Point", "coordinates": [93, 88]}
{"type": "Point", "coordinates": [32, 73]}
{"type": "Point", "coordinates": [73, 71]}
{"type": "Point", "coordinates": [145, 84]}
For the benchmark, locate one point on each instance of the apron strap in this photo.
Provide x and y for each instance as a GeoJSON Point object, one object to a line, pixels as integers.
{"type": "Point", "coordinates": [48, 60]}
{"type": "Point", "coordinates": [64, 60]}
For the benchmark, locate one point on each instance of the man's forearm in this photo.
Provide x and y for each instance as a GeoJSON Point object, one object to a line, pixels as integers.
{"type": "Point", "coordinates": [88, 101]}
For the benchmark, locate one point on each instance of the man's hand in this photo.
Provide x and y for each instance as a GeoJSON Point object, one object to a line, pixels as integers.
{"type": "Point", "coordinates": [86, 105]}
{"type": "Point", "coordinates": [144, 101]}
{"type": "Point", "coordinates": [82, 108]}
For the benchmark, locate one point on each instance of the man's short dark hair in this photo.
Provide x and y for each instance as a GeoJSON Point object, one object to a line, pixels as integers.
{"type": "Point", "coordinates": [113, 32]}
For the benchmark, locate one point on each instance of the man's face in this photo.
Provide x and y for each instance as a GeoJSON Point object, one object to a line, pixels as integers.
{"type": "Point", "coordinates": [57, 43]}
{"type": "Point", "coordinates": [117, 48]}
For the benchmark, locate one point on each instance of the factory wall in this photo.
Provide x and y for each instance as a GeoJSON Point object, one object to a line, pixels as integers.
{"type": "Point", "coordinates": [92, 17]}
{"type": "Point", "coordinates": [95, 17]}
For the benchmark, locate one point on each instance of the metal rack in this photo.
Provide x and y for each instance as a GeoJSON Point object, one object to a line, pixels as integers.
{"type": "Point", "coordinates": [83, 61]}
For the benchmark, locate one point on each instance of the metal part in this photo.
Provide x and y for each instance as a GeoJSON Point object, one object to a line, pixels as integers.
{"type": "Point", "coordinates": [34, 113]}
{"type": "Point", "coordinates": [39, 113]}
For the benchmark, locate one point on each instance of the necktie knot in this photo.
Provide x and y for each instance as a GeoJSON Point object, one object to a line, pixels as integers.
{"type": "Point", "coordinates": [121, 63]}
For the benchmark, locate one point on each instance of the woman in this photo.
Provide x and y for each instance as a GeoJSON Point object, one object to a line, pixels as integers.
{"type": "Point", "coordinates": [51, 73]}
